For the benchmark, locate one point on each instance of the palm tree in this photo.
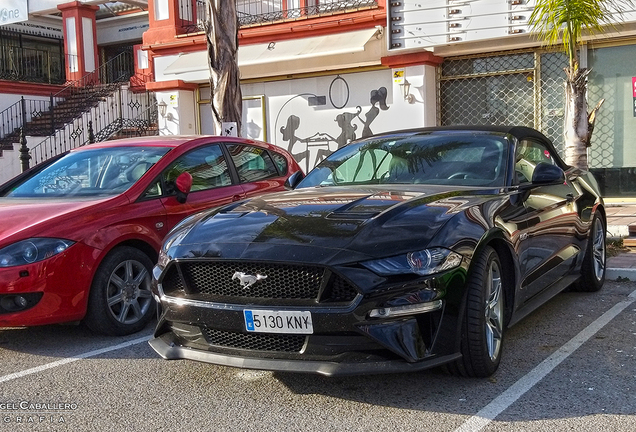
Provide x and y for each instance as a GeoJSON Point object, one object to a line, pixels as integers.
{"type": "Point", "coordinates": [221, 28]}
{"type": "Point", "coordinates": [565, 20]}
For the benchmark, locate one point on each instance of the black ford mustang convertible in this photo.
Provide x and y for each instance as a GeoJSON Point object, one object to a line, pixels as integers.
{"type": "Point", "coordinates": [398, 252]}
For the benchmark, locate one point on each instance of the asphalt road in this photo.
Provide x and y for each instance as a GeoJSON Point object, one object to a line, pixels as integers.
{"type": "Point", "coordinates": [569, 366]}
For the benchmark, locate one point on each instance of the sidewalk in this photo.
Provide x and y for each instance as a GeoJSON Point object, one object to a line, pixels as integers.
{"type": "Point", "coordinates": [619, 218]}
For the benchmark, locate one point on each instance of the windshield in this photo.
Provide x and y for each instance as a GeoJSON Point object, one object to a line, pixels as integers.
{"type": "Point", "coordinates": [457, 158]}
{"type": "Point", "coordinates": [86, 173]}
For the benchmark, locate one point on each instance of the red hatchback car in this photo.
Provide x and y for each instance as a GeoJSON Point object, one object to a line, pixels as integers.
{"type": "Point", "coordinates": [80, 233]}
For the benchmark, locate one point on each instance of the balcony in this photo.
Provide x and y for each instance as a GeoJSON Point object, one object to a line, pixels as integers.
{"type": "Point", "coordinates": [32, 65]}
{"type": "Point", "coordinates": [257, 12]}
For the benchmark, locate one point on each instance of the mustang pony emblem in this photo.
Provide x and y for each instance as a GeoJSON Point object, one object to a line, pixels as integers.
{"type": "Point", "coordinates": [246, 279]}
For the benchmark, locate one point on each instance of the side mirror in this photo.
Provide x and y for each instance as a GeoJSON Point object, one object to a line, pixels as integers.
{"type": "Point", "coordinates": [546, 174]}
{"type": "Point", "coordinates": [183, 184]}
{"type": "Point", "coordinates": [293, 180]}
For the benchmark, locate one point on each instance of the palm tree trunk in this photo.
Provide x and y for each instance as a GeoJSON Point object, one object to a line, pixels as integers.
{"type": "Point", "coordinates": [575, 127]}
{"type": "Point", "coordinates": [222, 42]}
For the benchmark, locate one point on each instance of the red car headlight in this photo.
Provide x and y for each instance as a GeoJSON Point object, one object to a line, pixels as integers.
{"type": "Point", "coordinates": [32, 250]}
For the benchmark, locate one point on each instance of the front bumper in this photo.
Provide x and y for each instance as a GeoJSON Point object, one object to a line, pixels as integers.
{"type": "Point", "coordinates": [166, 348]}
{"type": "Point", "coordinates": [58, 285]}
{"type": "Point", "coordinates": [345, 340]}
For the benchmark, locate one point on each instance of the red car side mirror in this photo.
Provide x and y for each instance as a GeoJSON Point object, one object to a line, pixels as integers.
{"type": "Point", "coordinates": [183, 185]}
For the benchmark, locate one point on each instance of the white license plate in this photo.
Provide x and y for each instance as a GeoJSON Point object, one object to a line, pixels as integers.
{"type": "Point", "coordinates": [269, 321]}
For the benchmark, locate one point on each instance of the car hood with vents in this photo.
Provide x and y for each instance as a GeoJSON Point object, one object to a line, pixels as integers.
{"type": "Point", "coordinates": [335, 224]}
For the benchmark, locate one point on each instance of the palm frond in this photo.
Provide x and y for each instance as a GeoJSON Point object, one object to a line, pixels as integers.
{"type": "Point", "coordinates": [565, 20]}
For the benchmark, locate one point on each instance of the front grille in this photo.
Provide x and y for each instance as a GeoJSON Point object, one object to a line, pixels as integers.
{"type": "Point", "coordinates": [292, 284]}
{"type": "Point", "coordinates": [340, 290]}
{"type": "Point", "coordinates": [255, 341]}
{"type": "Point", "coordinates": [172, 283]}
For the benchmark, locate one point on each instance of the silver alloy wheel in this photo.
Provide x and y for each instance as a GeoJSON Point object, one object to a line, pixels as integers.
{"type": "Point", "coordinates": [128, 292]}
{"type": "Point", "coordinates": [494, 310]}
{"type": "Point", "coordinates": [598, 249]}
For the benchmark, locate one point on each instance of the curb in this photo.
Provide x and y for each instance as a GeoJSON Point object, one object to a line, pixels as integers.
{"type": "Point", "coordinates": [622, 273]}
{"type": "Point", "coordinates": [617, 231]}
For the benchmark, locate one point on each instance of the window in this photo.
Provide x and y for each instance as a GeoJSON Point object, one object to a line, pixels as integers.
{"type": "Point", "coordinates": [529, 154]}
{"type": "Point", "coordinates": [206, 165]}
{"type": "Point", "coordinates": [281, 162]}
{"type": "Point", "coordinates": [91, 172]}
{"type": "Point", "coordinates": [252, 163]}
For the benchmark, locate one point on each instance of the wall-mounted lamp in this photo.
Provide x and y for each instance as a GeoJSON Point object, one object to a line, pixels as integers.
{"type": "Point", "coordinates": [162, 108]}
{"type": "Point", "coordinates": [406, 91]}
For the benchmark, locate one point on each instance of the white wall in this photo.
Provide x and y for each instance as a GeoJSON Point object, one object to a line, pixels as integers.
{"type": "Point", "coordinates": [319, 130]}
{"type": "Point", "coordinates": [10, 164]}
{"type": "Point", "coordinates": [180, 113]}
{"type": "Point", "coordinates": [128, 28]}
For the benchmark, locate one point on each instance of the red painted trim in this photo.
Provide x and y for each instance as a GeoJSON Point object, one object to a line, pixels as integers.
{"type": "Point", "coordinates": [413, 59]}
{"type": "Point", "coordinates": [307, 27]}
{"type": "Point", "coordinates": [171, 85]}
{"type": "Point", "coordinates": [78, 11]}
{"type": "Point", "coordinates": [163, 39]}
{"type": "Point", "coordinates": [28, 88]}
{"type": "Point", "coordinates": [177, 45]}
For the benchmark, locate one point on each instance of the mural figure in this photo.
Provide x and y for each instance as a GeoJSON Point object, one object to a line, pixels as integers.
{"type": "Point", "coordinates": [348, 129]}
{"type": "Point", "coordinates": [377, 97]}
{"type": "Point", "coordinates": [289, 134]}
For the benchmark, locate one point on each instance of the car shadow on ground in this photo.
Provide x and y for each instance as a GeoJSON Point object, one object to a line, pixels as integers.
{"type": "Point", "coordinates": [66, 340]}
{"type": "Point", "coordinates": [579, 385]}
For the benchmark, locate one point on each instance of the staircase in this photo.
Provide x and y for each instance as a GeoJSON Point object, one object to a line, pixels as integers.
{"type": "Point", "coordinates": [109, 115]}
{"type": "Point", "coordinates": [96, 107]}
{"type": "Point", "coordinates": [44, 119]}
{"type": "Point", "coordinates": [84, 111]}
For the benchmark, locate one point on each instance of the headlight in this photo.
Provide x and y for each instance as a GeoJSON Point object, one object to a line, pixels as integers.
{"type": "Point", "coordinates": [32, 250]}
{"type": "Point", "coordinates": [425, 262]}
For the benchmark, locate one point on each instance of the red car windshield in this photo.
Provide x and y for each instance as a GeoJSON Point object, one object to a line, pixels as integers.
{"type": "Point", "coordinates": [87, 173]}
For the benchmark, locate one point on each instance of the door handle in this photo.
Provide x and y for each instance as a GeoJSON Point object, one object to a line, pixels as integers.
{"type": "Point", "coordinates": [236, 198]}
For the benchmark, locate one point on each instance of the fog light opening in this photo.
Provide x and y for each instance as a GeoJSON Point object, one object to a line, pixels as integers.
{"type": "Point", "coordinates": [14, 303]}
{"type": "Point", "coordinates": [18, 302]}
{"type": "Point", "coordinates": [411, 309]}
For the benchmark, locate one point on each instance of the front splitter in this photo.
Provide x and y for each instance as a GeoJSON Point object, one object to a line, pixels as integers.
{"type": "Point", "coordinates": [174, 352]}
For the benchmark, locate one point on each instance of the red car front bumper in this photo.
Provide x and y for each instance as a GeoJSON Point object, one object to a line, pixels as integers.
{"type": "Point", "coordinates": [64, 281]}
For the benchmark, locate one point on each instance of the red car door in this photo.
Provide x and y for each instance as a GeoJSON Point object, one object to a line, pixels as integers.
{"type": "Point", "coordinates": [212, 183]}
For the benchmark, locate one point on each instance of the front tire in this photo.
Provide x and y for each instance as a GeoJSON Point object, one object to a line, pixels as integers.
{"type": "Point", "coordinates": [594, 263]}
{"type": "Point", "coordinates": [120, 301]}
{"type": "Point", "coordinates": [483, 321]}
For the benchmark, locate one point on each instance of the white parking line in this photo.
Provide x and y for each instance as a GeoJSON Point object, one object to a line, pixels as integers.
{"type": "Point", "coordinates": [85, 355]}
{"type": "Point", "coordinates": [525, 383]}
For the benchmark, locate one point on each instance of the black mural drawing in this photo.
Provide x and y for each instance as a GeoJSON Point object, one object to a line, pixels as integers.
{"type": "Point", "coordinates": [345, 123]}
{"type": "Point", "coordinates": [377, 97]}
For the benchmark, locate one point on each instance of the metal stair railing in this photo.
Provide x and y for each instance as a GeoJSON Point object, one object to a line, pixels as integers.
{"type": "Point", "coordinates": [88, 90]}
{"type": "Point", "coordinates": [44, 118]}
{"type": "Point", "coordinates": [119, 111]}
{"type": "Point", "coordinates": [23, 113]}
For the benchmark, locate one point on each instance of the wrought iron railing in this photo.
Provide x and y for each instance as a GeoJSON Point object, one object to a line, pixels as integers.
{"type": "Point", "coordinates": [31, 65]}
{"type": "Point", "coordinates": [24, 112]}
{"type": "Point", "coordinates": [256, 12]}
{"type": "Point", "coordinates": [123, 112]}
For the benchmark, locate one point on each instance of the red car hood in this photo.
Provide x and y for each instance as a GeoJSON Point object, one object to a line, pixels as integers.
{"type": "Point", "coordinates": [22, 218]}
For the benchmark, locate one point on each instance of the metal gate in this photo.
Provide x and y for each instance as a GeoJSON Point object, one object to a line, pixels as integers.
{"type": "Point", "coordinates": [521, 88]}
